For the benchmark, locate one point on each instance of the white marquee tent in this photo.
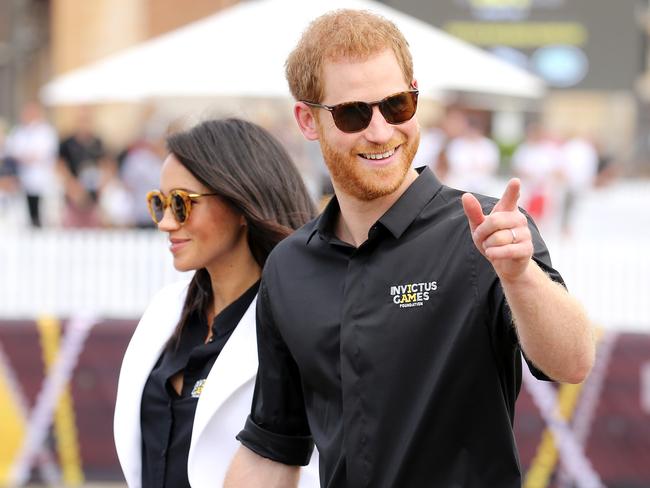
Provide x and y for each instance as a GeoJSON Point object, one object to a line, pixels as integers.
{"type": "Point", "coordinates": [240, 51]}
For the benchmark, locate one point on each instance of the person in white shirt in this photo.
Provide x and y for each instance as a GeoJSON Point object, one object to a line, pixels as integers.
{"type": "Point", "coordinates": [34, 144]}
{"type": "Point", "coordinates": [472, 159]}
{"type": "Point", "coordinates": [537, 162]}
{"type": "Point", "coordinates": [579, 166]}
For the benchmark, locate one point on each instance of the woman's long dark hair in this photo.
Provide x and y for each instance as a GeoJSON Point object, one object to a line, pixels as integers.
{"type": "Point", "coordinates": [251, 170]}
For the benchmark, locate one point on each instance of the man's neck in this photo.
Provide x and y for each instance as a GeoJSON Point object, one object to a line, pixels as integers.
{"type": "Point", "coordinates": [357, 216]}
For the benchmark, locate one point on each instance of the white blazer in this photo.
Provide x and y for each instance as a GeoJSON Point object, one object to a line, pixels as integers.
{"type": "Point", "coordinates": [222, 408]}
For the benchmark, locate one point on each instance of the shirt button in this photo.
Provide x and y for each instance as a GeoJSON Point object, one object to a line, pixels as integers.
{"type": "Point", "coordinates": [163, 453]}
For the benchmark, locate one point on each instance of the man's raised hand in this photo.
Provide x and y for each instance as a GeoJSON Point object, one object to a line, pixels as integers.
{"type": "Point", "coordinates": [502, 236]}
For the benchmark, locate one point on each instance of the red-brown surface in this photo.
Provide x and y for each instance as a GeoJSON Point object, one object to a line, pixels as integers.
{"type": "Point", "coordinates": [618, 445]}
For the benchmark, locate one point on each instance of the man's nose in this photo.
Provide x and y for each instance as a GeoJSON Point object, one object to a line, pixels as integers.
{"type": "Point", "coordinates": [378, 131]}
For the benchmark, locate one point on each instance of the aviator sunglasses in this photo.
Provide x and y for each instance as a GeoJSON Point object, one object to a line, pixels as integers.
{"type": "Point", "coordinates": [356, 116]}
{"type": "Point", "coordinates": [180, 202]}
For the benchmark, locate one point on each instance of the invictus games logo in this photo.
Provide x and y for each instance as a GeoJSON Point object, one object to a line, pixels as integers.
{"type": "Point", "coordinates": [412, 294]}
{"type": "Point", "coordinates": [198, 388]}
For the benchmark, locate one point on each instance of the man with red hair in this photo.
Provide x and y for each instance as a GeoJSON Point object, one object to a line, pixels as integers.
{"type": "Point", "coordinates": [391, 328]}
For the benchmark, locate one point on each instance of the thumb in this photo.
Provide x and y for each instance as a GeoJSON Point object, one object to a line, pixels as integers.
{"type": "Point", "coordinates": [473, 211]}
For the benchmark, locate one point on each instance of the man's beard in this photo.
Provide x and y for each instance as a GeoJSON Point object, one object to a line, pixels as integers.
{"type": "Point", "coordinates": [365, 182]}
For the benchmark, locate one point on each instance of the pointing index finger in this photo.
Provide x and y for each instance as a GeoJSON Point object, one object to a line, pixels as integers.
{"type": "Point", "coordinates": [509, 198]}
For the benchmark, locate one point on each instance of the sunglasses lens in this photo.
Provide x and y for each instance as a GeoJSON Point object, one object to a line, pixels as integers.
{"type": "Point", "coordinates": [352, 117]}
{"type": "Point", "coordinates": [178, 207]}
{"type": "Point", "coordinates": [156, 207]}
{"type": "Point", "coordinates": [399, 108]}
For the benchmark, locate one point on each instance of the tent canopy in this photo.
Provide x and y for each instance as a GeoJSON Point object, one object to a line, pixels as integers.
{"type": "Point", "coordinates": [241, 50]}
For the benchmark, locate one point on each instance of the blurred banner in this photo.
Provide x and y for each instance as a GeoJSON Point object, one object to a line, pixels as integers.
{"type": "Point", "coordinates": [607, 417]}
{"type": "Point", "coordinates": [58, 382]}
{"type": "Point", "coordinates": [583, 44]}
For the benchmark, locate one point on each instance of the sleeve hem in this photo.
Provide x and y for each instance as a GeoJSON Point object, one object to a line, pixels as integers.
{"type": "Point", "coordinates": [285, 449]}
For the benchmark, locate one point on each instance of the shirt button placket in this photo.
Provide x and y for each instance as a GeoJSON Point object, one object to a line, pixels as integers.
{"type": "Point", "coordinates": [353, 383]}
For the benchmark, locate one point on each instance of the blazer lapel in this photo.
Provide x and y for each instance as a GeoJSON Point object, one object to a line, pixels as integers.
{"type": "Point", "coordinates": [145, 347]}
{"type": "Point", "coordinates": [235, 365]}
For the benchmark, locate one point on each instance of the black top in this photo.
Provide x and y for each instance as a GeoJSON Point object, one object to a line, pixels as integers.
{"type": "Point", "coordinates": [81, 156]}
{"type": "Point", "coordinates": [399, 357]}
{"type": "Point", "coordinates": [166, 418]}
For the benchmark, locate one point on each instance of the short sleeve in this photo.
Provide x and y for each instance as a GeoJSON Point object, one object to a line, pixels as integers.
{"type": "Point", "coordinates": [277, 427]}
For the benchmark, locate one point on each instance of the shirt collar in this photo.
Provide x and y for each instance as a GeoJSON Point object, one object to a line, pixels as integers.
{"type": "Point", "coordinates": [325, 221]}
{"type": "Point", "coordinates": [404, 211]}
{"type": "Point", "coordinates": [398, 217]}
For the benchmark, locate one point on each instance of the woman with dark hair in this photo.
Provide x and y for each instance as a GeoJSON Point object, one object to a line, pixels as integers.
{"type": "Point", "coordinates": [229, 193]}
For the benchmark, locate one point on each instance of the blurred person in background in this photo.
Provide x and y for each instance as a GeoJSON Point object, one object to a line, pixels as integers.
{"type": "Point", "coordinates": [608, 168]}
{"type": "Point", "coordinates": [472, 159]}
{"type": "Point", "coordinates": [140, 169]}
{"type": "Point", "coordinates": [79, 158]}
{"type": "Point", "coordinates": [579, 169]}
{"type": "Point", "coordinates": [33, 143]}
{"type": "Point", "coordinates": [435, 140]}
{"type": "Point", "coordinates": [229, 192]}
{"type": "Point", "coordinates": [11, 201]}
{"type": "Point", "coordinates": [115, 202]}
{"type": "Point", "coordinates": [391, 328]}
{"type": "Point", "coordinates": [537, 162]}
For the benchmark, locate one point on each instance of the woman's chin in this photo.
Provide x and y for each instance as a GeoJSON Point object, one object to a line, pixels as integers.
{"type": "Point", "coordinates": [182, 267]}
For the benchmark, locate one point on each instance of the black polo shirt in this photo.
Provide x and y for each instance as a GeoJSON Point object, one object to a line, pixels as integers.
{"type": "Point", "coordinates": [398, 357]}
{"type": "Point", "coordinates": [166, 418]}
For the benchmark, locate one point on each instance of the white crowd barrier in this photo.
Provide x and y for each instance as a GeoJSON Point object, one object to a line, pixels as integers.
{"type": "Point", "coordinates": [114, 273]}
{"type": "Point", "coordinates": [107, 273]}
{"type": "Point", "coordinates": [611, 279]}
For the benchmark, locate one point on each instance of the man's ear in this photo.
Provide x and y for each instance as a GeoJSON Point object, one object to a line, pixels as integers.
{"type": "Point", "coordinates": [306, 120]}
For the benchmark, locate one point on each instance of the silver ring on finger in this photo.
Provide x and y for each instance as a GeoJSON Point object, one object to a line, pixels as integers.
{"type": "Point", "coordinates": [514, 236]}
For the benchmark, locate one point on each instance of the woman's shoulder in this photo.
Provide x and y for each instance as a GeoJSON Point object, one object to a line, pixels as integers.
{"type": "Point", "coordinates": [177, 289]}
{"type": "Point", "coordinates": [163, 310]}
{"type": "Point", "coordinates": [169, 298]}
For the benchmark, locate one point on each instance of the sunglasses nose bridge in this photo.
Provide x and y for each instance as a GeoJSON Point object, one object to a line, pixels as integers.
{"type": "Point", "coordinates": [163, 211]}
{"type": "Point", "coordinates": [168, 220]}
{"type": "Point", "coordinates": [384, 110]}
{"type": "Point", "coordinates": [379, 130]}
{"type": "Point", "coordinates": [376, 114]}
